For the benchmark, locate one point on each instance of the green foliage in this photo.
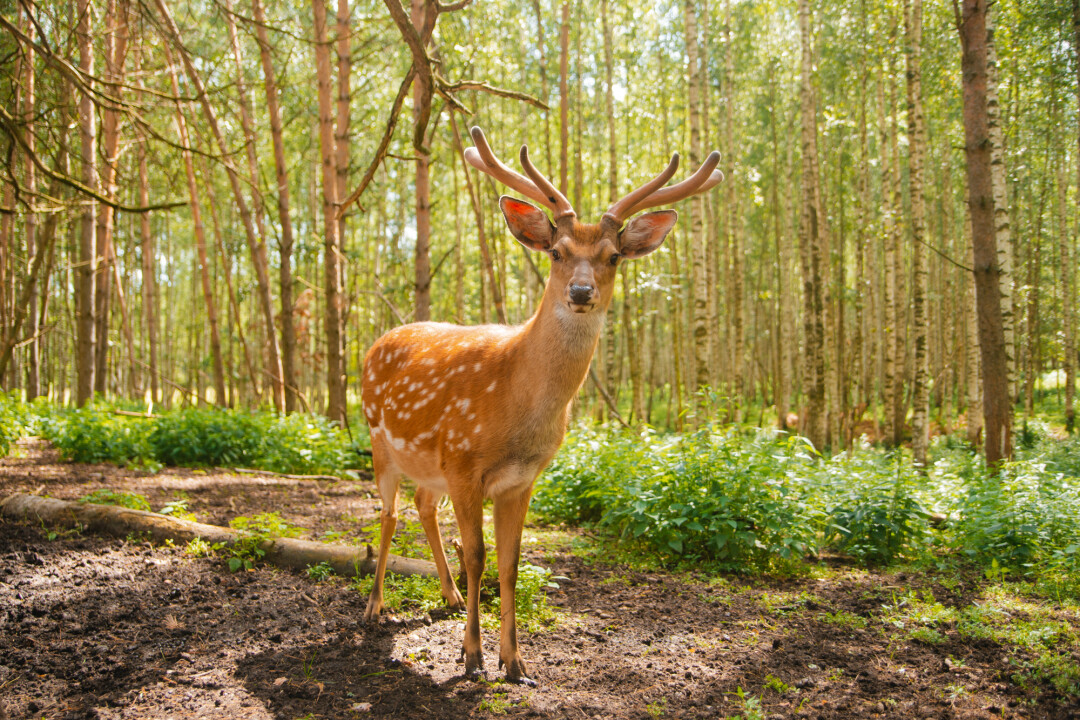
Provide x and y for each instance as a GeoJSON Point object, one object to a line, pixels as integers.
{"type": "Point", "coordinates": [297, 443]}
{"type": "Point", "coordinates": [247, 551]}
{"type": "Point", "coordinates": [207, 437]}
{"type": "Point", "coordinates": [725, 497]}
{"type": "Point", "coordinates": [401, 592]}
{"type": "Point", "coordinates": [104, 496]}
{"type": "Point", "coordinates": [320, 572]}
{"type": "Point", "coordinates": [754, 500]}
{"type": "Point", "coordinates": [530, 600]}
{"type": "Point", "coordinates": [94, 434]}
{"type": "Point", "coordinates": [875, 508]}
{"type": "Point", "coordinates": [12, 421]}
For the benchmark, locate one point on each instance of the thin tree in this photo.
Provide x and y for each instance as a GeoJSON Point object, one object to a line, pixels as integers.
{"type": "Point", "coordinates": [286, 240]}
{"type": "Point", "coordinates": [920, 421]}
{"type": "Point", "coordinates": [813, 233]}
{"type": "Point", "coordinates": [997, 415]}
{"type": "Point", "coordinates": [87, 259]}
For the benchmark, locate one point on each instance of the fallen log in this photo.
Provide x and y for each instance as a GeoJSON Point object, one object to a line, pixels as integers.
{"type": "Point", "coordinates": [346, 560]}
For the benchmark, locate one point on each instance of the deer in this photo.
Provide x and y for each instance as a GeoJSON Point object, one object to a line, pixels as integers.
{"type": "Point", "coordinates": [478, 412]}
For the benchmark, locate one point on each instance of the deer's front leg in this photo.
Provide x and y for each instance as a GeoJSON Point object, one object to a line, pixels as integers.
{"type": "Point", "coordinates": [469, 509]}
{"type": "Point", "coordinates": [426, 503]}
{"type": "Point", "coordinates": [387, 478]}
{"type": "Point", "coordinates": [510, 512]}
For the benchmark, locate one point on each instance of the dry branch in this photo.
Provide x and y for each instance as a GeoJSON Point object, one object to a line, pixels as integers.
{"type": "Point", "coordinates": [347, 561]}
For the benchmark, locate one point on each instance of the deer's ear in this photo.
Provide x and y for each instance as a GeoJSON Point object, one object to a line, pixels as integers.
{"type": "Point", "coordinates": [646, 232]}
{"type": "Point", "coordinates": [528, 223]}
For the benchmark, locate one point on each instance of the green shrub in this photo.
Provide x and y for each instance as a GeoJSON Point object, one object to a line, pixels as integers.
{"type": "Point", "coordinates": [12, 421]}
{"type": "Point", "coordinates": [208, 437]}
{"type": "Point", "coordinates": [874, 506]}
{"type": "Point", "coordinates": [305, 444]}
{"type": "Point", "coordinates": [94, 434]}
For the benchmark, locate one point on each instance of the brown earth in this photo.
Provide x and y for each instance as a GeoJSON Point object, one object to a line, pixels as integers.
{"type": "Point", "coordinates": [94, 627]}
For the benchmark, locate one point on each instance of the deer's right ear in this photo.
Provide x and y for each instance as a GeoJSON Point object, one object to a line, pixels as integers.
{"type": "Point", "coordinates": [528, 223]}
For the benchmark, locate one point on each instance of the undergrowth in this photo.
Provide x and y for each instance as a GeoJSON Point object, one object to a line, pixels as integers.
{"type": "Point", "coordinates": [297, 443]}
{"type": "Point", "coordinates": [752, 500]}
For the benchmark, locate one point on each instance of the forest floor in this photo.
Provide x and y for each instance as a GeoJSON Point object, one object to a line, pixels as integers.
{"type": "Point", "coordinates": [95, 627]}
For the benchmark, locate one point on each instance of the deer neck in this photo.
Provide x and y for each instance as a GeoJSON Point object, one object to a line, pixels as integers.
{"type": "Point", "coordinates": [557, 346]}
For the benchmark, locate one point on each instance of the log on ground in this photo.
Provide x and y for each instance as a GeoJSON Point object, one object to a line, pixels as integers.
{"type": "Point", "coordinates": [347, 561]}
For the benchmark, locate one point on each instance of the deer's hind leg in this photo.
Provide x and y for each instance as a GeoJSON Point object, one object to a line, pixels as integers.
{"type": "Point", "coordinates": [388, 480]}
{"type": "Point", "coordinates": [426, 505]}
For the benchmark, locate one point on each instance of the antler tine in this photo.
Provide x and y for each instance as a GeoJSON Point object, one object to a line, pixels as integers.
{"type": "Point", "coordinates": [623, 207]}
{"type": "Point", "coordinates": [482, 158]}
{"type": "Point", "coordinates": [562, 207]}
{"type": "Point", "coordinates": [706, 177]}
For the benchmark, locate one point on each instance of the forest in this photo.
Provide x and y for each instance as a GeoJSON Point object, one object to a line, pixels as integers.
{"type": "Point", "coordinates": [834, 411]}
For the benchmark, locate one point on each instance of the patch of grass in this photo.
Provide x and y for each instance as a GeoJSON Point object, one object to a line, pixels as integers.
{"type": "Point", "coordinates": [927, 636]}
{"type": "Point", "coordinates": [104, 496]}
{"type": "Point", "coordinates": [197, 547]}
{"type": "Point", "coordinates": [844, 619]}
{"type": "Point", "coordinates": [402, 593]}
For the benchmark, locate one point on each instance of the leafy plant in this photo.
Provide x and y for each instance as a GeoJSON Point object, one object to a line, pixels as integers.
{"type": "Point", "coordinates": [104, 496]}
{"type": "Point", "coordinates": [320, 572]}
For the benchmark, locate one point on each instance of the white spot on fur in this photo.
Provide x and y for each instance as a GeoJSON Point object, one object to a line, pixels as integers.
{"type": "Point", "coordinates": [491, 387]}
{"type": "Point", "coordinates": [477, 367]}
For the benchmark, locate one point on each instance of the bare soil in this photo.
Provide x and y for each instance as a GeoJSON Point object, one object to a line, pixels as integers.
{"type": "Point", "coordinates": [94, 627]}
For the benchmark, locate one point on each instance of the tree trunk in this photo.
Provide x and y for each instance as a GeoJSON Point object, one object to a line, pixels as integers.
{"type": "Point", "coordinates": [335, 381]}
{"type": "Point", "coordinates": [256, 246]}
{"type": "Point", "coordinates": [993, 352]}
{"type": "Point", "coordinates": [813, 233]}
{"type": "Point", "coordinates": [341, 167]}
{"type": "Point", "coordinates": [149, 275]}
{"type": "Point", "coordinates": [920, 422]}
{"type": "Point", "coordinates": [1002, 225]}
{"type": "Point", "coordinates": [200, 241]}
{"type": "Point", "coordinates": [699, 257]}
{"type": "Point", "coordinates": [285, 244]}
{"type": "Point", "coordinates": [87, 267]}
{"type": "Point", "coordinates": [564, 99]}
{"type": "Point", "coordinates": [422, 92]}
{"type": "Point", "coordinates": [27, 102]}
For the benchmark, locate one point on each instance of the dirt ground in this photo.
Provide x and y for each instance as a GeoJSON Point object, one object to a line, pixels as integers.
{"type": "Point", "coordinates": [94, 627]}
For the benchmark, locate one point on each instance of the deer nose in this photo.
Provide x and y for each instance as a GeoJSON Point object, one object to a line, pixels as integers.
{"type": "Point", "coordinates": [581, 294]}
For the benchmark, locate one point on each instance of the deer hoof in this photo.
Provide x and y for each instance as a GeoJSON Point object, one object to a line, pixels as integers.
{"type": "Point", "coordinates": [374, 608]}
{"type": "Point", "coordinates": [474, 665]}
{"type": "Point", "coordinates": [516, 673]}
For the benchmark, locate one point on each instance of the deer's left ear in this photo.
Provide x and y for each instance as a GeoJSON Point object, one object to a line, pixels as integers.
{"type": "Point", "coordinates": [645, 233]}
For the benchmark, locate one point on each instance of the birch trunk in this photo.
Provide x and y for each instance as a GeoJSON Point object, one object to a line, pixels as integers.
{"type": "Point", "coordinates": [920, 422]}
{"type": "Point", "coordinates": [1002, 225]}
{"type": "Point", "coordinates": [698, 249]}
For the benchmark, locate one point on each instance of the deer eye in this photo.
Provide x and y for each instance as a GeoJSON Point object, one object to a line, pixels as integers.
{"type": "Point", "coordinates": [614, 259]}
{"type": "Point", "coordinates": [555, 256]}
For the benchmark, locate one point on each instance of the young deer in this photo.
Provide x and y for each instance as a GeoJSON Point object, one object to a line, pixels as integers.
{"type": "Point", "coordinates": [478, 412]}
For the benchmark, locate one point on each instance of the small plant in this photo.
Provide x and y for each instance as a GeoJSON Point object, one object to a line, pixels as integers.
{"type": "Point", "coordinates": [320, 572]}
{"type": "Point", "coordinates": [268, 524]}
{"type": "Point", "coordinates": [178, 509]}
{"type": "Point", "coordinates": [927, 636]}
{"type": "Point", "coordinates": [197, 547]}
{"type": "Point", "coordinates": [751, 706]}
{"type": "Point", "coordinates": [415, 592]}
{"type": "Point", "coordinates": [658, 708]}
{"type": "Point", "coordinates": [497, 704]}
{"type": "Point", "coordinates": [104, 496]}
{"type": "Point", "coordinates": [777, 685]}
{"type": "Point", "coordinates": [845, 619]}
